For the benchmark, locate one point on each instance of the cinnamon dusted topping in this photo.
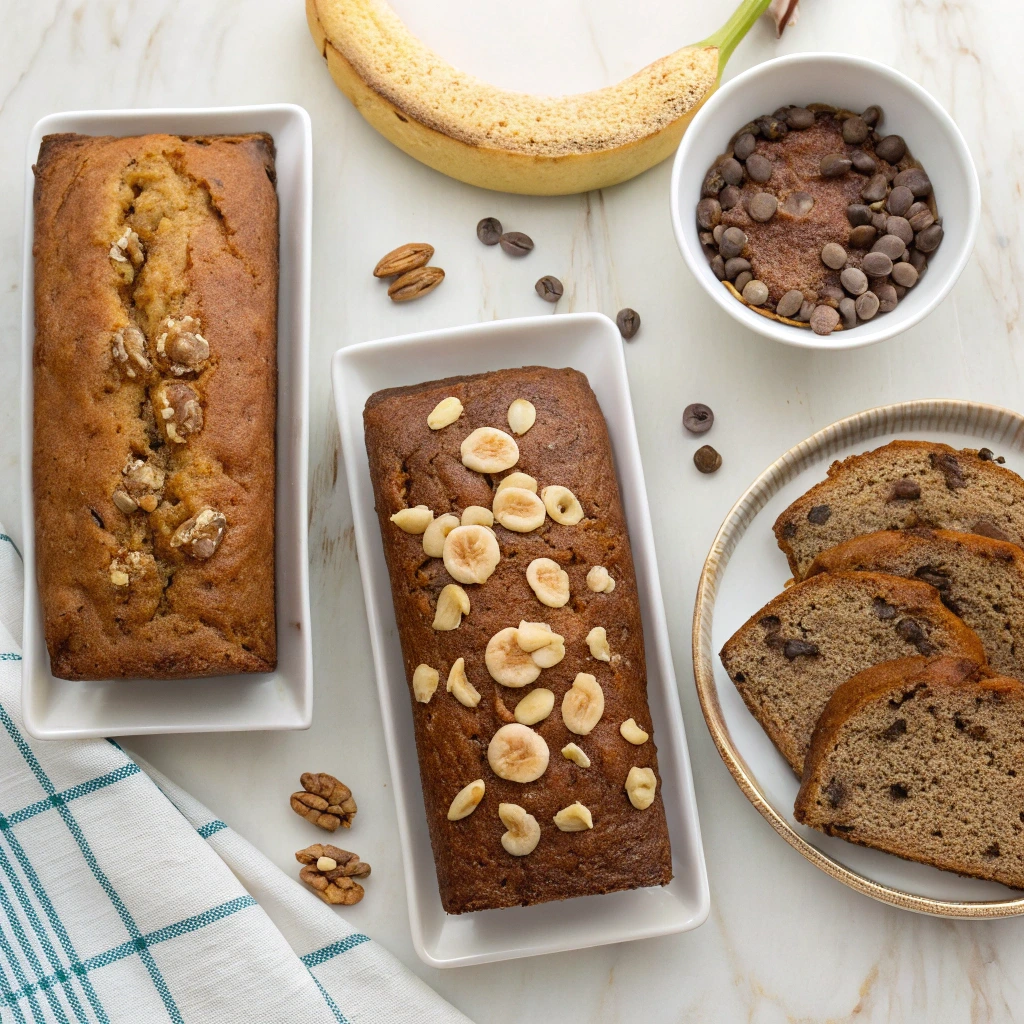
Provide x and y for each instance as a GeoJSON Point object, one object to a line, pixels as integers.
{"type": "Point", "coordinates": [178, 410]}
{"type": "Point", "coordinates": [201, 535]}
{"type": "Point", "coordinates": [180, 347]}
{"type": "Point", "coordinates": [128, 346]}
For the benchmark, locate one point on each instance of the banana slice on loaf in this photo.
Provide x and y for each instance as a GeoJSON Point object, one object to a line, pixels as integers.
{"type": "Point", "coordinates": [900, 485]}
{"type": "Point", "coordinates": [788, 659]}
{"type": "Point", "coordinates": [922, 758]}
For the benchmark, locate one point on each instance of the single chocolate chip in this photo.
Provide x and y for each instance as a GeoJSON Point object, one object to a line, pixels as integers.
{"type": "Point", "coordinates": [900, 200]}
{"type": "Point", "coordinates": [887, 297]}
{"type": "Point", "coordinates": [949, 467]}
{"type": "Point", "coordinates": [863, 163]}
{"type": "Point", "coordinates": [895, 730]}
{"type": "Point", "coordinates": [731, 171]}
{"type": "Point", "coordinates": [834, 165]}
{"type": "Point", "coordinates": [848, 312]}
{"type": "Point", "coordinates": [928, 240]}
{"type": "Point", "coordinates": [800, 648]}
{"type": "Point", "coordinates": [892, 149]}
{"type": "Point", "coordinates": [772, 127]}
{"type": "Point", "coordinates": [833, 255]}
{"type": "Point", "coordinates": [987, 529]}
{"type": "Point", "coordinates": [835, 793]}
{"type": "Point", "coordinates": [875, 189]}
{"type": "Point", "coordinates": [824, 319]}
{"type": "Point", "coordinates": [732, 242]}
{"type": "Point", "coordinates": [921, 220]}
{"type": "Point", "coordinates": [756, 292]}
{"type": "Point", "coordinates": [762, 207]}
{"type": "Point", "coordinates": [789, 530]}
{"type": "Point", "coordinates": [905, 490]}
{"type": "Point", "coordinates": [918, 261]}
{"type": "Point", "coordinates": [855, 130]}
{"type": "Point", "coordinates": [915, 179]}
{"type": "Point", "coordinates": [628, 322]}
{"type": "Point", "coordinates": [489, 230]}
{"type": "Point", "coordinates": [709, 213]}
{"type": "Point", "coordinates": [867, 305]}
{"type": "Point", "coordinates": [798, 204]}
{"type": "Point", "coordinates": [883, 609]}
{"type": "Point", "coordinates": [862, 236]}
{"type": "Point", "coordinates": [770, 623]}
{"type": "Point", "coordinates": [515, 243]}
{"type": "Point", "coordinates": [900, 227]}
{"type": "Point", "coordinates": [759, 168]}
{"type": "Point", "coordinates": [876, 264]}
{"type": "Point", "coordinates": [819, 515]}
{"type": "Point", "coordinates": [806, 311]}
{"type": "Point", "coordinates": [718, 268]}
{"type": "Point", "coordinates": [904, 275]}
{"type": "Point", "coordinates": [933, 576]}
{"type": "Point", "coordinates": [872, 117]}
{"type": "Point", "coordinates": [729, 197]}
{"type": "Point", "coordinates": [745, 145]}
{"type": "Point", "coordinates": [735, 266]}
{"type": "Point", "coordinates": [854, 280]}
{"type": "Point", "coordinates": [549, 288]}
{"type": "Point", "coordinates": [742, 280]}
{"type": "Point", "coordinates": [889, 245]}
{"type": "Point", "coordinates": [790, 303]}
{"type": "Point", "coordinates": [698, 418]}
{"type": "Point", "coordinates": [713, 183]}
{"type": "Point", "coordinates": [898, 791]}
{"type": "Point", "coordinates": [706, 459]}
{"type": "Point", "coordinates": [912, 632]}
{"type": "Point", "coordinates": [858, 214]}
{"type": "Point", "coordinates": [799, 118]}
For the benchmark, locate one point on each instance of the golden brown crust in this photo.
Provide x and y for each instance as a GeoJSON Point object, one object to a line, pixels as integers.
{"type": "Point", "coordinates": [410, 465]}
{"type": "Point", "coordinates": [206, 212]}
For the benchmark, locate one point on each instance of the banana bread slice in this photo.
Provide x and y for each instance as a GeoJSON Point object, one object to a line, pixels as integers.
{"type": "Point", "coordinates": [901, 485]}
{"type": "Point", "coordinates": [788, 659]}
{"type": "Point", "coordinates": [978, 578]}
{"type": "Point", "coordinates": [922, 758]}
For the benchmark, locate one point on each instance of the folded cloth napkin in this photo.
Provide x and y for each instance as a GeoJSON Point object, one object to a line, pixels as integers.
{"type": "Point", "coordinates": [124, 900]}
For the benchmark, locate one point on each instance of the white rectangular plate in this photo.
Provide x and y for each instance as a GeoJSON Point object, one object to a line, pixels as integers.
{"type": "Point", "coordinates": [283, 699]}
{"type": "Point", "coordinates": [589, 342]}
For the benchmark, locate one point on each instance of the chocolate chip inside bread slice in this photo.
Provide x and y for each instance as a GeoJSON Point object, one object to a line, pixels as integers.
{"type": "Point", "coordinates": [922, 758]}
{"type": "Point", "coordinates": [901, 485]}
{"type": "Point", "coordinates": [788, 659]}
{"type": "Point", "coordinates": [979, 579]}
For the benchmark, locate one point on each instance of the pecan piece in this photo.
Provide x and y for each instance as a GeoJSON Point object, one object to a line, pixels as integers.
{"type": "Point", "coordinates": [177, 409]}
{"type": "Point", "coordinates": [331, 872]}
{"type": "Point", "coordinates": [324, 801]}
{"type": "Point", "coordinates": [180, 347]}
{"type": "Point", "coordinates": [201, 535]}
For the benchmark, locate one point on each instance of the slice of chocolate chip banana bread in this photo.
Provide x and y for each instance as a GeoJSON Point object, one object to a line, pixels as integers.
{"type": "Point", "coordinates": [978, 578]}
{"type": "Point", "coordinates": [789, 658]}
{"type": "Point", "coordinates": [900, 485]}
{"type": "Point", "coordinates": [921, 758]}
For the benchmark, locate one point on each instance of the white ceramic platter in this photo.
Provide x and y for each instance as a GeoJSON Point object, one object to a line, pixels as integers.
{"type": "Point", "coordinates": [283, 699]}
{"type": "Point", "coordinates": [745, 569]}
{"type": "Point", "coordinates": [590, 343]}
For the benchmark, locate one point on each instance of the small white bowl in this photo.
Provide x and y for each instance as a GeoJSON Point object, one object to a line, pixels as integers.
{"type": "Point", "coordinates": [853, 83]}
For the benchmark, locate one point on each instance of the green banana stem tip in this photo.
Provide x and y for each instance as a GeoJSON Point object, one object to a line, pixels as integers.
{"type": "Point", "coordinates": [728, 37]}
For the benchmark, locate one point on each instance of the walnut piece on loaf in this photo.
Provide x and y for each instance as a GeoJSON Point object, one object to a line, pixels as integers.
{"type": "Point", "coordinates": [331, 872]}
{"type": "Point", "coordinates": [324, 801]}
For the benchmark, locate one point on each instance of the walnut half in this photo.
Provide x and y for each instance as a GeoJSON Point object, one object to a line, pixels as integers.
{"type": "Point", "coordinates": [180, 346]}
{"type": "Point", "coordinates": [201, 535]}
{"type": "Point", "coordinates": [178, 410]}
{"type": "Point", "coordinates": [324, 801]}
{"type": "Point", "coordinates": [142, 487]}
{"type": "Point", "coordinates": [128, 347]}
{"type": "Point", "coordinates": [331, 872]}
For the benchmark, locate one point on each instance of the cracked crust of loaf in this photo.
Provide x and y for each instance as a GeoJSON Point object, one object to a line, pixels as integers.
{"type": "Point", "coordinates": [858, 493]}
{"type": "Point", "coordinates": [206, 211]}
{"type": "Point", "coordinates": [837, 613]}
{"type": "Point", "coordinates": [920, 758]}
{"type": "Point", "coordinates": [411, 464]}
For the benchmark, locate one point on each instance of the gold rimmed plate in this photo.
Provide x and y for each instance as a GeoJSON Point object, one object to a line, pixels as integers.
{"type": "Point", "coordinates": [745, 569]}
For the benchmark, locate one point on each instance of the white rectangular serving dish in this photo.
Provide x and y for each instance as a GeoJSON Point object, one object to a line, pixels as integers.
{"type": "Point", "coordinates": [283, 699]}
{"type": "Point", "coordinates": [589, 342]}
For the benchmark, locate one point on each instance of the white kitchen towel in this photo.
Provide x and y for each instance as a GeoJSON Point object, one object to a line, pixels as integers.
{"type": "Point", "coordinates": [125, 901]}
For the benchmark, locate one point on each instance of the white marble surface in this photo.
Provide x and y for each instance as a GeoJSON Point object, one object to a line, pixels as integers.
{"type": "Point", "coordinates": [784, 942]}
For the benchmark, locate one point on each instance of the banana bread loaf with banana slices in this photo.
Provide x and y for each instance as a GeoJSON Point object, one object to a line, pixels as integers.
{"type": "Point", "coordinates": [518, 614]}
{"type": "Point", "coordinates": [979, 579]}
{"type": "Point", "coordinates": [900, 485]}
{"type": "Point", "coordinates": [921, 757]}
{"type": "Point", "coordinates": [788, 659]}
{"type": "Point", "coordinates": [155, 378]}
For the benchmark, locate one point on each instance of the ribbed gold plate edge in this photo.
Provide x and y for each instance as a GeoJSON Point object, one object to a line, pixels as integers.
{"type": "Point", "coordinates": [1003, 427]}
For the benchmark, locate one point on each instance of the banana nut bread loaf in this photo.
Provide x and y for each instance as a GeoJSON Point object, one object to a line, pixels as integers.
{"type": "Point", "coordinates": [789, 657]}
{"type": "Point", "coordinates": [900, 485]}
{"type": "Point", "coordinates": [978, 578]}
{"type": "Point", "coordinates": [155, 374]}
{"type": "Point", "coordinates": [518, 614]}
{"type": "Point", "coordinates": [922, 758]}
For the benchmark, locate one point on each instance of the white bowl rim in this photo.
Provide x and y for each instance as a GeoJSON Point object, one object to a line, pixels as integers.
{"type": "Point", "coordinates": [876, 330]}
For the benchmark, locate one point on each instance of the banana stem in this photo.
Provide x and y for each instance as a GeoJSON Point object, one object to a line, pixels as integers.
{"type": "Point", "coordinates": [728, 37]}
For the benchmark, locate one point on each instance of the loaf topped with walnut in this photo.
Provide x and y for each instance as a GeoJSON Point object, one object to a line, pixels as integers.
{"type": "Point", "coordinates": [517, 609]}
{"type": "Point", "coordinates": [155, 382]}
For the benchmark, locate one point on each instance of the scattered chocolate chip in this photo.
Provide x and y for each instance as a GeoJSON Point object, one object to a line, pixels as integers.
{"type": "Point", "coordinates": [895, 730]}
{"type": "Point", "coordinates": [887, 296]}
{"type": "Point", "coordinates": [800, 648]}
{"type": "Point", "coordinates": [862, 236]}
{"type": "Point", "coordinates": [771, 623]}
{"type": "Point", "coordinates": [717, 232]}
{"type": "Point", "coordinates": [549, 288]}
{"type": "Point", "coordinates": [921, 219]}
{"type": "Point", "coordinates": [876, 264]}
{"type": "Point", "coordinates": [762, 207]}
{"type": "Point", "coordinates": [892, 246]}
{"type": "Point", "coordinates": [698, 418]}
{"type": "Point", "coordinates": [819, 515]}
{"type": "Point", "coordinates": [732, 243]}
{"type": "Point", "coordinates": [915, 179]}
{"type": "Point", "coordinates": [834, 165]}
{"type": "Point", "coordinates": [790, 303]}
{"type": "Point", "coordinates": [928, 240]}
{"type": "Point", "coordinates": [848, 312]}
{"type": "Point", "coordinates": [709, 213]}
{"type": "Point", "coordinates": [731, 171]}
{"type": "Point", "coordinates": [798, 204]}
{"type": "Point", "coordinates": [799, 118]}
{"type": "Point", "coordinates": [918, 261]}
{"type": "Point", "coordinates": [905, 490]}
{"type": "Point", "coordinates": [987, 455]}
{"type": "Point", "coordinates": [949, 467]}
{"type": "Point", "coordinates": [854, 280]}
{"type": "Point", "coordinates": [900, 227]}
{"type": "Point", "coordinates": [97, 518]}
{"type": "Point", "coordinates": [759, 168]}
{"type": "Point", "coordinates": [706, 459]}
{"type": "Point", "coordinates": [713, 183]}
{"type": "Point", "coordinates": [833, 255]}
{"type": "Point", "coordinates": [772, 128]}
{"type": "Point", "coordinates": [872, 117]}
{"type": "Point", "coordinates": [898, 791]}
{"type": "Point", "coordinates": [489, 230]}
{"type": "Point", "coordinates": [904, 275]}
{"type": "Point", "coordinates": [987, 529]}
{"type": "Point", "coordinates": [863, 163]}
{"type": "Point", "coordinates": [867, 305]}
{"type": "Point", "coordinates": [883, 609]}
{"type": "Point", "coordinates": [892, 149]}
{"type": "Point", "coordinates": [755, 292]}
{"type": "Point", "coordinates": [735, 266]}
{"type": "Point", "coordinates": [911, 631]}
{"type": "Point", "coordinates": [830, 295]}
{"type": "Point", "coordinates": [875, 189]}
{"type": "Point", "coordinates": [515, 243]}
{"type": "Point", "coordinates": [729, 197]}
{"type": "Point", "coordinates": [878, 220]}
{"type": "Point", "coordinates": [806, 311]}
{"type": "Point", "coordinates": [835, 793]}
{"type": "Point", "coordinates": [745, 145]}
{"type": "Point", "coordinates": [992, 850]}
{"type": "Point", "coordinates": [855, 131]}
{"type": "Point", "coordinates": [858, 214]}
{"type": "Point", "coordinates": [717, 268]}
{"type": "Point", "coordinates": [628, 321]}
{"type": "Point", "coordinates": [742, 280]}
{"type": "Point", "coordinates": [789, 530]}
{"type": "Point", "coordinates": [900, 200]}
{"type": "Point", "coordinates": [824, 319]}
